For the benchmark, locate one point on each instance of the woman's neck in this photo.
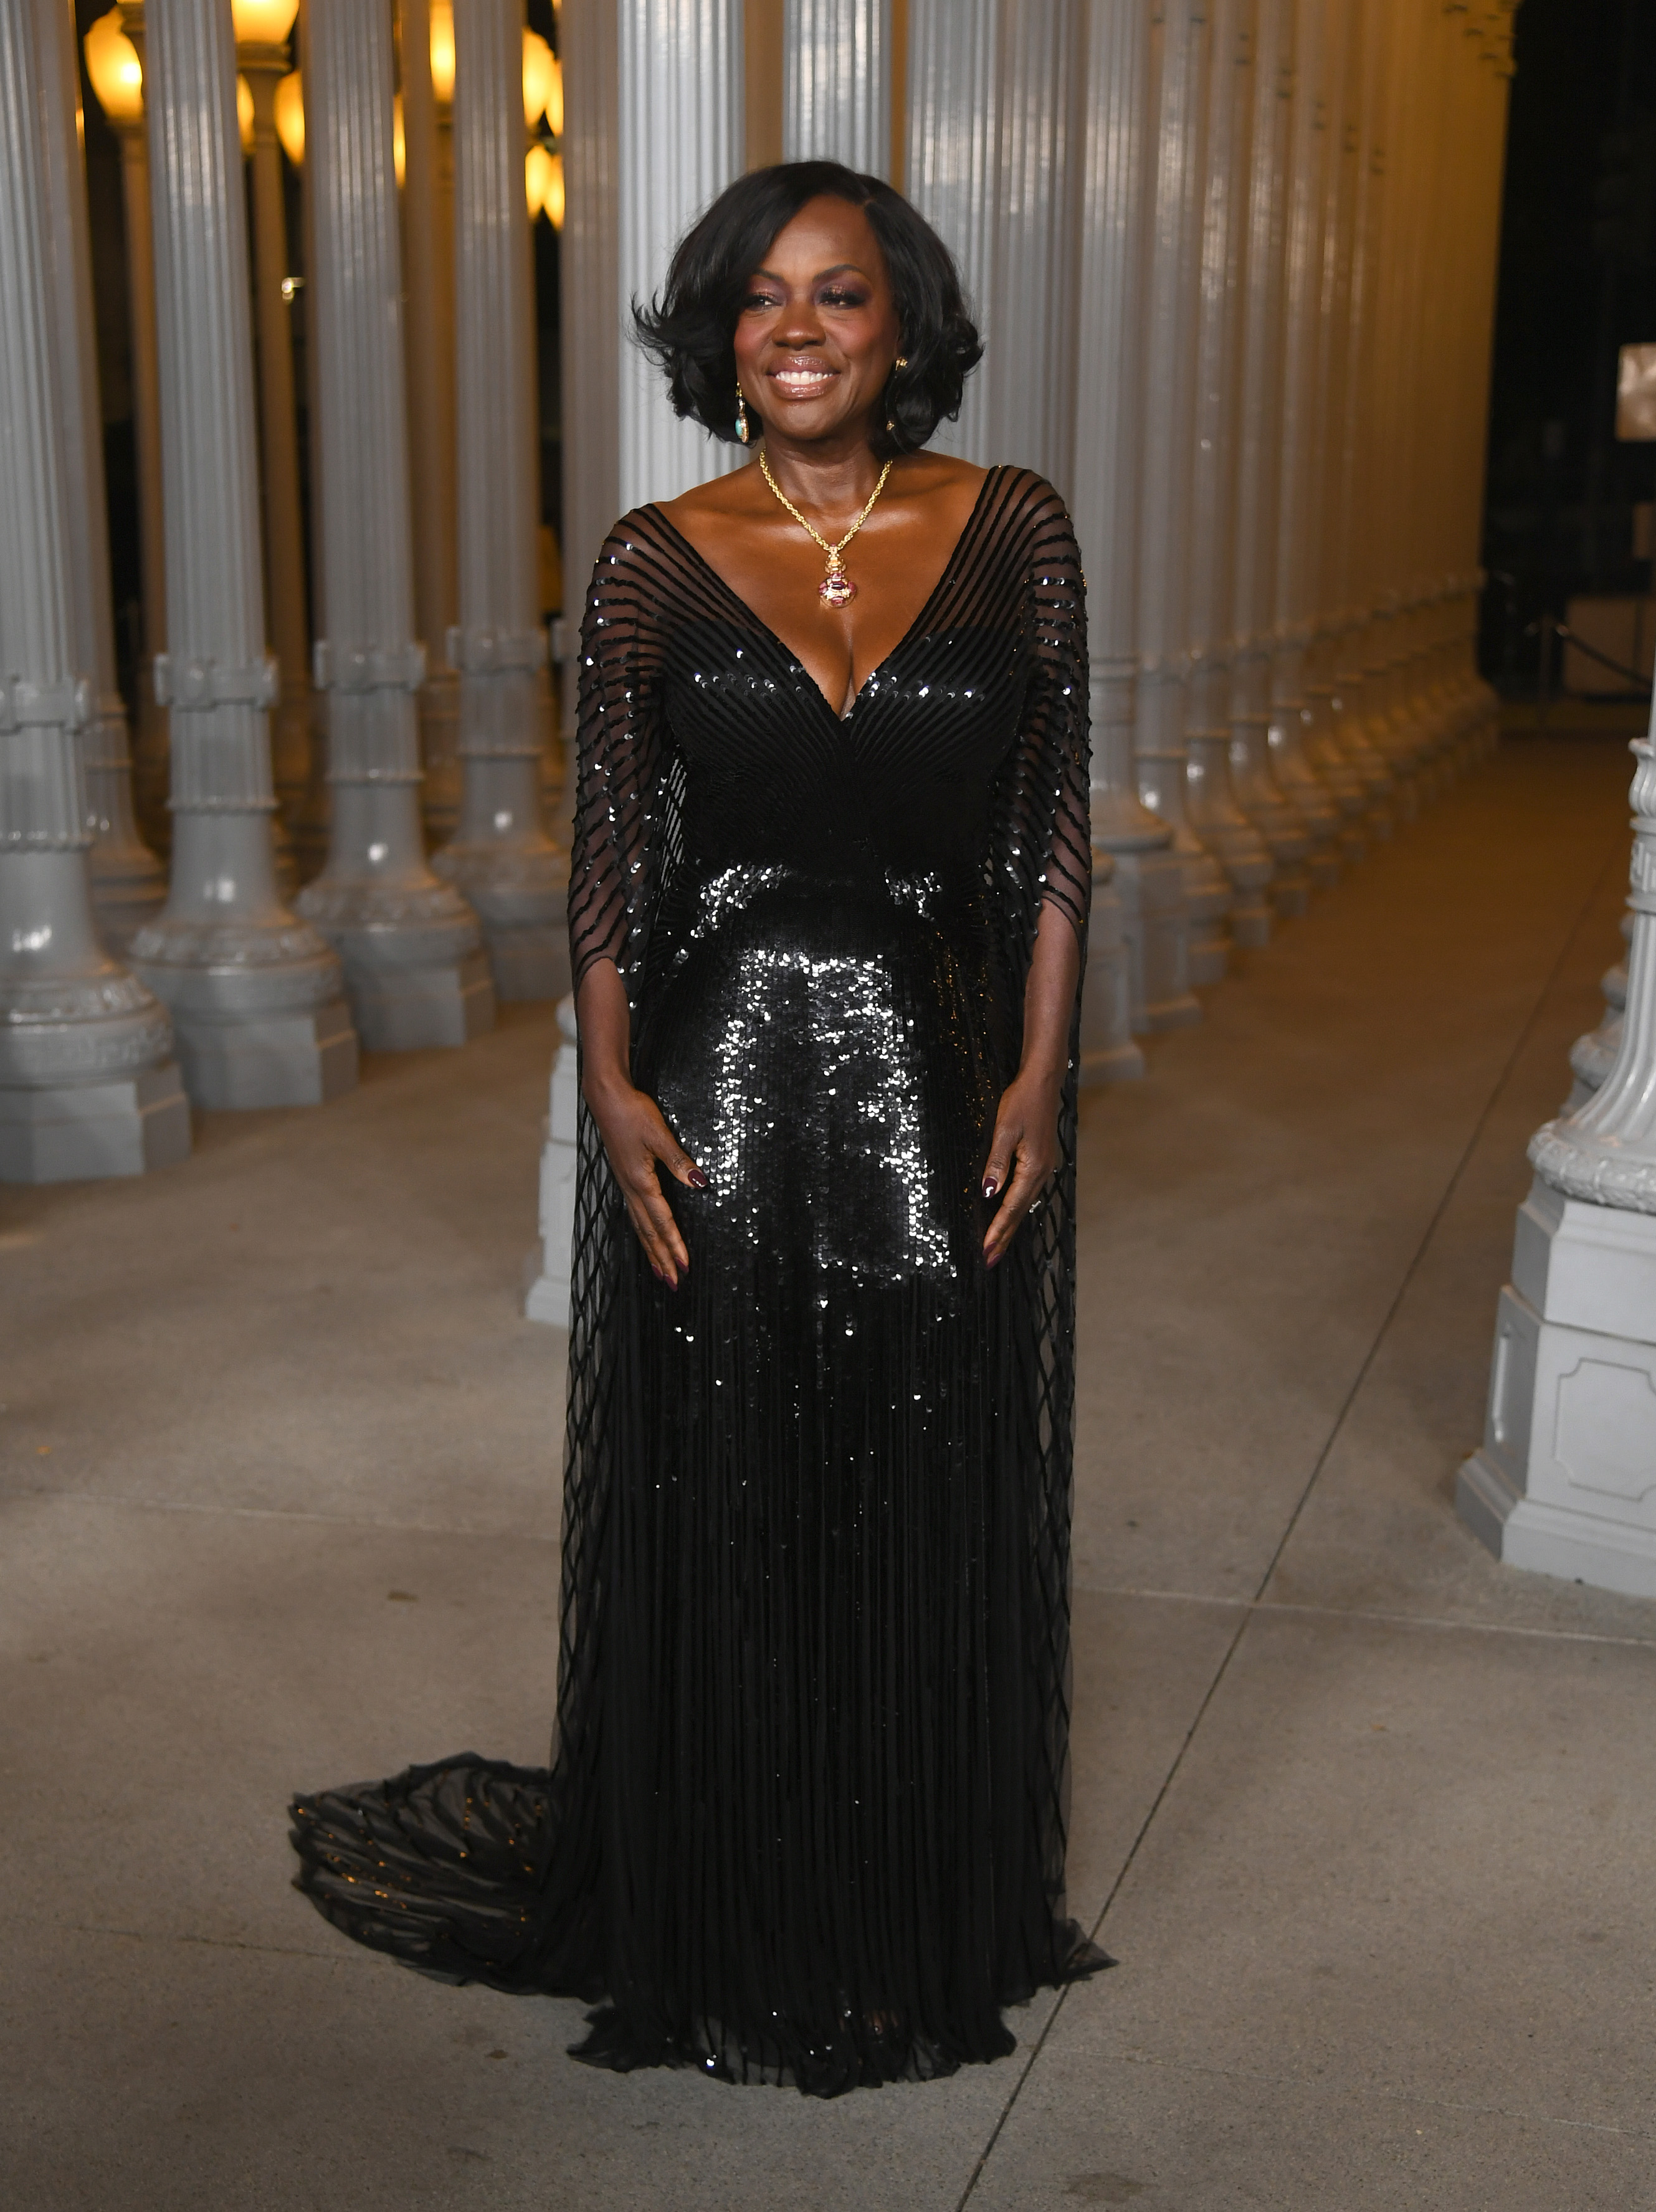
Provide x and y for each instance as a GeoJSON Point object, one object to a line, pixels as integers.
{"type": "Point", "coordinates": [824, 477]}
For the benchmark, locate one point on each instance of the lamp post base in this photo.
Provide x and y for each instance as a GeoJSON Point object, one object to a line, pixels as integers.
{"type": "Point", "coordinates": [82, 1132]}
{"type": "Point", "coordinates": [1565, 1480]}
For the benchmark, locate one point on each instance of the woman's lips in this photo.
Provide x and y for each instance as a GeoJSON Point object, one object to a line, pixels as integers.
{"type": "Point", "coordinates": [802, 379]}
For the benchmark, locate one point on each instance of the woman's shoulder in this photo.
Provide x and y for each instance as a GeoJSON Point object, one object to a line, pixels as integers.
{"type": "Point", "coordinates": [1025, 496]}
{"type": "Point", "coordinates": [642, 553]}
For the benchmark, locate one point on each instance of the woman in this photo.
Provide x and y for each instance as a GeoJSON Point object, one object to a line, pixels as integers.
{"type": "Point", "coordinates": [830, 879]}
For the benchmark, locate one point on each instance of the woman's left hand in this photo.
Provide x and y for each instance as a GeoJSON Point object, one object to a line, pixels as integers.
{"type": "Point", "coordinates": [1022, 1158]}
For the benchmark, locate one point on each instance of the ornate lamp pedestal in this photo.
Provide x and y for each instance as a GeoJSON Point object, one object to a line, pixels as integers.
{"type": "Point", "coordinates": [1163, 764]}
{"type": "Point", "coordinates": [1108, 1052]}
{"type": "Point", "coordinates": [1254, 787]}
{"type": "Point", "coordinates": [1214, 814]}
{"type": "Point", "coordinates": [1566, 1479]}
{"type": "Point", "coordinates": [255, 992]}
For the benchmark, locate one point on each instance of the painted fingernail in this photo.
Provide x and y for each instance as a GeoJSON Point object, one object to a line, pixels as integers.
{"type": "Point", "coordinates": [697, 1180]}
{"type": "Point", "coordinates": [990, 1185]}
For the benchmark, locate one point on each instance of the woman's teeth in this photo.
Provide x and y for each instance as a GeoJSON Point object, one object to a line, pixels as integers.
{"type": "Point", "coordinates": [804, 379]}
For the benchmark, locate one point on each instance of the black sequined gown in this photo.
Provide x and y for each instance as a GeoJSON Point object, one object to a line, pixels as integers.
{"type": "Point", "coordinates": [805, 1816]}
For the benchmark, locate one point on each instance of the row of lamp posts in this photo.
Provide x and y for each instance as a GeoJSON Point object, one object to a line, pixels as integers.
{"type": "Point", "coordinates": [255, 997]}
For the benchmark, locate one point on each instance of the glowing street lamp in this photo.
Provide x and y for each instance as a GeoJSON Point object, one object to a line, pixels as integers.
{"type": "Point", "coordinates": [290, 106]}
{"type": "Point", "coordinates": [442, 53]}
{"type": "Point", "coordinates": [537, 175]}
{"type": "Point", "coordinates": [263, 22]}
{"type": "Point", "coordinates": [537, 69]}
{"type": "Point", "coordinates": [116, 74]}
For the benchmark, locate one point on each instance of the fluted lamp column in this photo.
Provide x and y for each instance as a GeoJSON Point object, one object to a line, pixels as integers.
{"type": "Point", "coordinates": [1361, 162]}
{"type": "Point", "coordinates": [1180, 52]}
{"type": "Point", "coordinates": [262, 27]}
{"type": "Point", "coordinates": [114, 61]}
{"type": "Point", "coordinates": [88, 1086]}
{"type": "Point", "coordinates": [1148, 876]}
{"type": "Point", "coordinates": [1290, 729]}
{"type": "Point", "coordinates": [1210, 554]}
{"type": "Point", "coordinates": [953, 139]}
{"type": "Point", "coordinates": [500, 856]}
{"type": "Point", "coordinates": [256, 994]}
{"type": "Point", "coordinates": [128, 882]}
{"type": "Point", "coordinates": [413, 954]}
{"type": "Point", "coordinates": [426, 32]}
{"type": "Point", "coordinates": [1290, 825]}
{"type": "Point", "coordinates": [837, 83]}
{"type": "Point", "coordinates": [1566, 1479]}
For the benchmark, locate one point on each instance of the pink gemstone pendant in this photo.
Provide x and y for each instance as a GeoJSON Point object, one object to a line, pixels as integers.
{"type": "Point", "coordinates": [837, 589]}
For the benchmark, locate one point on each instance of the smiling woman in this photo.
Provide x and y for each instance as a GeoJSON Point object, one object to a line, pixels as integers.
{"type": "Point", "coordinates": [805, 1818]}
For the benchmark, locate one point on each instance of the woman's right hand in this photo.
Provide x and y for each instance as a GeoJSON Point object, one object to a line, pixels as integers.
{"type": "Point", "coordinates": [637, 1141]}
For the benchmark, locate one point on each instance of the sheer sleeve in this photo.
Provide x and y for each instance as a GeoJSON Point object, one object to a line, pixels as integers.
{"type": "Point", "coordinates": [1042, 846]}
{"type": "Point", "coordinates": [617, 857]}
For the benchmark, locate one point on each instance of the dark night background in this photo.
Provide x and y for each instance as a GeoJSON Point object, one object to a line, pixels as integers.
{"type": "Point", "coordinates": [1578, 281]}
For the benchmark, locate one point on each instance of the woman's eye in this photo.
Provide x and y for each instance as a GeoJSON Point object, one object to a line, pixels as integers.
{"type": "Point", "coordinates": [757, 302]}
{"type": "Point", "coordinates": [843, 299]}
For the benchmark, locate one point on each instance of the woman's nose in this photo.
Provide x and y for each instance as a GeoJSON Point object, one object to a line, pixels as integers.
{"type": "Point", "coordinates": [800, 324]}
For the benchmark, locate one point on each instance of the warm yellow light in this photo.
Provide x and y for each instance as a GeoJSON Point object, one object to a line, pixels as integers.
{"type": "Point", "coordinates": [398, 143]}
{"type": "Point", "coordinates": [552, 201]}
{"type": "Point", "coordinates": [555, 100]}
{"type": "Point", "coordinates": [263, 22]}
{"type": "Point", "coordinates": [537, 169]}
{"type": "Point", "coordinates": [537, 76]}
{"type": "Point", "coordinates": [243, 114]}
{"type": "Point", "coordinates": [291, 116]}
{"type": "Point", "coordinates": [112, 64]}
{"type": "Point", "coordinates": [442, 51]}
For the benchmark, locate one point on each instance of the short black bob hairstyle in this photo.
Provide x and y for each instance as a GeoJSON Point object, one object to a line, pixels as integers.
{"type": "Point", "coordinates": [689, 331]}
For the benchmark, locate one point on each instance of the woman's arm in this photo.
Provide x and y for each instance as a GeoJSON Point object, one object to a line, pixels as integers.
{"type": "Point", "coordinates": [615, 859]}
{"type": "Point", "coordinates": [1024, 1151]}
{"type": "Point", "coordinates": [1045, 824]}
{"type": "Point", "coordinates": [635, 1134]}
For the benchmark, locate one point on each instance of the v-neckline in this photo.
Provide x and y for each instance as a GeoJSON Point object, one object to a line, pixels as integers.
{"type": "Point", "coordinates": [777, 638]}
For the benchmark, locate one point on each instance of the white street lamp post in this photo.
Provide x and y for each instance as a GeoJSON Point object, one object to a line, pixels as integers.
{"type": "Point", "coordinates": [128, 882]}
{"type": "Point", "coordinates": [500, 856]}
{"type": "Point", "coordinates": [1565, 1479]}
{"type": "Point", "coordinates": [255, 993]}
{"type": "Point", "coordinates": [87, 1082]}
{"type": "Point", "coordinates": [413, 955]}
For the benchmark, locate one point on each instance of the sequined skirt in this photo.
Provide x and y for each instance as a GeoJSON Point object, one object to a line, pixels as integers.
{"type": "Point", "coordinates": [805, 1817]}
{"type": "Point", "coordinates": [830, 1050]}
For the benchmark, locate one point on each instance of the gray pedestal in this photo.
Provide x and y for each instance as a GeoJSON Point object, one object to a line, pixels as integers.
{"type": "Point", "coordinates": [78, 1132]}
{"type": "Point", "coordinates": [1565, 1481]}
{"type": "Point", "coordinates": [410, 1008]}
{"type": "Point", "coordinates": [303, 1058]}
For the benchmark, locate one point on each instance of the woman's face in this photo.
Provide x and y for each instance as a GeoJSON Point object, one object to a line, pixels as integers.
{"type": "Point", "coordinates": [818, 331]}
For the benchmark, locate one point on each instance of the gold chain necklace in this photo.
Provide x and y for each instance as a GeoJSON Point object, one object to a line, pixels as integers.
{"type": "Point", "coordinates": [836, 589]}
